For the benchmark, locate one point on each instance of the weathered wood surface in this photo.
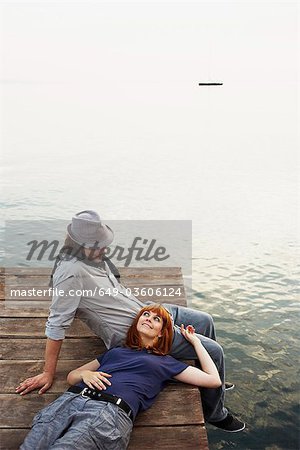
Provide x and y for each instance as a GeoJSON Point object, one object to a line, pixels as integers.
{"type": "Point", "coordinates": [180, 437]}
{"type": "Point", "coordinates": [35, 327]}
{"type": "Point", "coordinates": [146, 438]}
{"type": "Point", "coordinates": [26, 407]}
{"type": "Point", "coordinates": [161, 293]}
{"type": "Point", "coordinates": [176, 419]}
{"type": "Point", "coordinates": [33, 349]}
{"type": "Point", "coordinates": [161, 280]}
{"type": "Point", "coordinates": [138, 272]}
{"type": "Point", "coordinates": [20, 370]}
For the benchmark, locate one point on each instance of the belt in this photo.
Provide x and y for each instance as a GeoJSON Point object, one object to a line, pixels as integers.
{"type": "Point", "coordinates": [102, 397]}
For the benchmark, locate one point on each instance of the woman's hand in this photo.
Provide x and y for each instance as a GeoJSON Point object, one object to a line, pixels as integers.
{"type": "Point", "coordinates": [189, 334]}
{"type": "Point", "coordinates": [95, 379]}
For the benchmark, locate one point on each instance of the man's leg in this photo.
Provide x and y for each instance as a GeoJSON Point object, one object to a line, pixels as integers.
{"type": "Point", "coordinates": [201, 321]}
{"type": "Point", "coordinates": [212, 399]}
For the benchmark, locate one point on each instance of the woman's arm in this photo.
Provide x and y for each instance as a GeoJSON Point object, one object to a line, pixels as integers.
{"type": "Point", "coordinates": [207, 377]}
{"type": "Point", "coordinates": [87, 373]}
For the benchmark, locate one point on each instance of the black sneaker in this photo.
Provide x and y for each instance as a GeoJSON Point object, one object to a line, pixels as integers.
{"type": "Point", "coordinates": [229, 386]}
{"type": "Point", "coordinates": [230, 424]}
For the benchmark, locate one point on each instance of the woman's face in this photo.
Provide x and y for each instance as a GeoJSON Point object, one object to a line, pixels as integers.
{"type": "Point", "coordinates": [150, 325]}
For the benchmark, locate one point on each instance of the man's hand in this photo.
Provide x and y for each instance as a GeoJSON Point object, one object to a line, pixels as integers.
{"type": "Point", "coordinates": [43, 380]}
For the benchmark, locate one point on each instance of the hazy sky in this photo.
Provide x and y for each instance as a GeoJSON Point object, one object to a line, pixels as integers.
{"type": "Point", "coordinates": [134, 68]}
{"type": "Point", "coordinates": [111, 90]}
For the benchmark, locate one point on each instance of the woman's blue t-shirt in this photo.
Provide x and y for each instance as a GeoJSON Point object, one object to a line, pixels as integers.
{"type": "Point", "coordinates": [137, 375]}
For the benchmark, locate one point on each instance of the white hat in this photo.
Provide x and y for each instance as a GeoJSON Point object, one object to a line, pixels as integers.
{"type": "Point", "coordinates": [87, 230]}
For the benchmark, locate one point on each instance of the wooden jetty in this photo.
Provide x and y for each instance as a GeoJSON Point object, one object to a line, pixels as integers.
{"type": "Point", "coordinates": [175, 421]}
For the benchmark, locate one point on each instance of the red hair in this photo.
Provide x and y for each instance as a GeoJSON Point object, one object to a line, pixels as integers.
{"type": "Point", "coordinates": [162, 345]}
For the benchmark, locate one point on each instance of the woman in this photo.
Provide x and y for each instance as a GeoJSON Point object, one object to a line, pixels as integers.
{"type": "Point", "coordinates": [91, 291]}
{"type": "Point", "coordinates": [98, 411]}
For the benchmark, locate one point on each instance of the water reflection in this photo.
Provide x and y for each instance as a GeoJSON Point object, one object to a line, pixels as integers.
{"type": "Point", "coordinates": [256, 315]}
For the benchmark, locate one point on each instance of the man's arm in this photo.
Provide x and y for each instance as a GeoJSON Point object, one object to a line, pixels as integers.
{"type": "Point", "coordinates": [45, 379]}
{"type": "Point", "coordinates": [62, 312]}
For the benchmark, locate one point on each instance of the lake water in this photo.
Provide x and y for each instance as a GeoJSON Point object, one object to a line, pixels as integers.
{"type": "Point", "coordinates": [245, 276]}
{"type": "Point", "coordinates": [102, 110]}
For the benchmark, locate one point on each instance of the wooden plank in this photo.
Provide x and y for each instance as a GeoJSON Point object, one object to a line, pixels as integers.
{"type": "Point", "coordinates": [166, 282]}
{"type": "Point", "coordinates": [24, 349]}
{"type": "Point", "coordinates": [142, 291]}
{"type": "Point", "coordinates": [11, 439]}
{"type": "Point", "coordinates": [176, 438]}
{"type": "Point", "coordinates": [18, 411]}
{"type": "Point", "coordinates": [20, 370]}
{"type": "Point", "coordinates": [150, 272]}
{"type": "Point", "coordinates": [33, 327]}
{"type": "Point", "coordinates": [180, 438]}
{"type": "Point", "coordinates": [132, 272]}
{"type": "Point", "coordinates": [24, 309]}
{"type": "Point", "coordinates": [43, 283]}
{"type": "Point", "coordinates": [170, 407]}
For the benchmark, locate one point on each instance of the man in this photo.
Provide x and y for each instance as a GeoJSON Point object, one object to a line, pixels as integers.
{"type": "Point", "coordinates": [108, 310]}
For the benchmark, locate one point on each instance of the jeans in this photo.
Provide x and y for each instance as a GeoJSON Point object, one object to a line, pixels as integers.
{"type": "Point", "coordinates": [72, 421]}
{"type": "Point", "coordinates": [212, 399]}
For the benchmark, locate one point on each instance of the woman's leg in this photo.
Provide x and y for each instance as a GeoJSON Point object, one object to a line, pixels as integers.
{"type": "Point", "coordinates": [99, 425]}
{"type": "Point", "coordinates": [50, 423]}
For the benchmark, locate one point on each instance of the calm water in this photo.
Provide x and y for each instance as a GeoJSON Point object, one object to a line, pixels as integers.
{"type": "Point", "coordinates": [252, 290]}
{"type": "Point", "coordinates": [102, 110]}
{"type": "Point", "coordinates": [254, 300]}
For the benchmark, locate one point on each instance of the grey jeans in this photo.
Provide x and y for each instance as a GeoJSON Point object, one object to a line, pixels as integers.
{"type": "Point", "coordinates": [212, 399]}
{"type": "Point", "coordinates": [72, 421]}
